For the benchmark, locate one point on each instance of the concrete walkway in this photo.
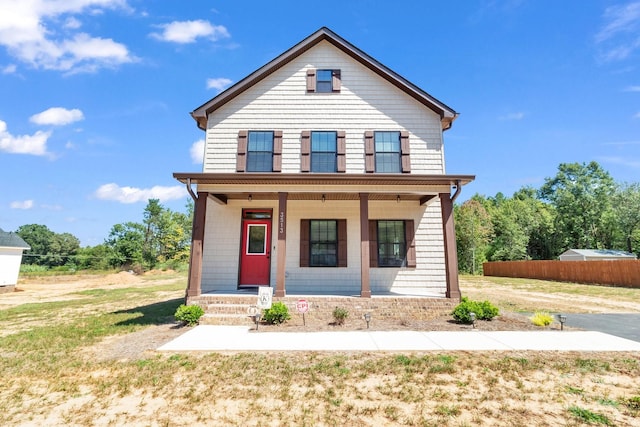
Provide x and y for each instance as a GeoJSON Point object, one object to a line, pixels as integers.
{"type": "Point", "coordinates": [239, 338]}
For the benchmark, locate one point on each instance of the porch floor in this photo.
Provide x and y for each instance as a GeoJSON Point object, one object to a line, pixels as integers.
{"type": "Point", "coordinates": [396, 293]}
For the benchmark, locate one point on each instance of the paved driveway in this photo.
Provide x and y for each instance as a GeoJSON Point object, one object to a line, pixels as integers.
{"type": "Point", "coordinates": [625, 325]}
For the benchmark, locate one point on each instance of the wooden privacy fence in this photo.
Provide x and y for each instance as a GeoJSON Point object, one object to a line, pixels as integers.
{"type": "Point", "coordinates": [625, 273]}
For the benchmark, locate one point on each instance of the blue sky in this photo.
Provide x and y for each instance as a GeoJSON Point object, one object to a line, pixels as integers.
{"type": "Point", "coordinates": [95, 95]}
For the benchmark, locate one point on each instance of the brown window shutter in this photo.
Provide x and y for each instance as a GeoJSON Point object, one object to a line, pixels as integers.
{"type": "Point", "coordinates": [342, 243]}
{"type": "Point", "coordinates": [405, 151]}
{"type": "Point", "coordinates": [341, 152]}
{"type": "Point", "coordinates": [373, 243]}
{"type": "Point", "coordinates": [241, 159]}
{"type": "Point", "coordinates": [369, 152]}
{"type": "Point", "coordinates": [410, 241]}
{"type": "Point", "coordinates": [277, 150]}
{"type": "Point", "coordinates": [335, 80]}
{"type": "Point", "coordinates": [305, 151]}
{"type": "Point", "coordinates": [304, 242]}
{"type": "Point", "coordinates": [311, 80]}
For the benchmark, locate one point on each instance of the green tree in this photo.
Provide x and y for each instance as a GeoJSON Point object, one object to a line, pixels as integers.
{"type": "Point", "coordinates": [62, 250]}
{"type": "Point", "coordinates": [511, 221]}
{"type": "Point", "coordinates": [94, 257]}
{"type": "Point", "coordinates": [473, 232]}
{"type": "Point", "coordinates": [126, 241]}
{"type": "Point", "coordinates": [581, 195]}
{"type": "Point", "coordinates": [39, 237]}
{"type": "Point", "coordinates": [626, 202]}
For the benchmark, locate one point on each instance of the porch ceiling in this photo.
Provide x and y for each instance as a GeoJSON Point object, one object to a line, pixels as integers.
{"type": "Point", "coordinates": [350, 181]}
{"type": "Point", "coordinates": [266, 186]}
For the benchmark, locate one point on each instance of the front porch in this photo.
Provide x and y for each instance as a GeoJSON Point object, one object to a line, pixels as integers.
{"type": "Point", "coordinates": [356, 199]}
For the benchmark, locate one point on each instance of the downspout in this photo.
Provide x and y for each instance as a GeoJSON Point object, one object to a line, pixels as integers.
{"type": "Point", "coordinates": [457, 193]}
{"type": "Point", "coordinates": [191, 193]}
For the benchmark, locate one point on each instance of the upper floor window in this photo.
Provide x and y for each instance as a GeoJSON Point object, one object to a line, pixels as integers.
{"type": "Point", "coordinates": [387, 152]}
{"type": "Point", "coordinates": [323, 151]}
{"type": "Point", "coordinates": [323, 81]}
{"type": "Point", "coordinates": [259, 151]}
{"type": "Point", "coordinates": [387, 146]}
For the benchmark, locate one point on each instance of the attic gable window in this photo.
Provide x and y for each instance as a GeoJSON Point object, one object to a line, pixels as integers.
{"type": "Point", "coordinates": [323, 81]}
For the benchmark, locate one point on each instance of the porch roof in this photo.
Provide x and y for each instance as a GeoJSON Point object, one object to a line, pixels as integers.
{"type": "Point", "coordinates": [312, 186]}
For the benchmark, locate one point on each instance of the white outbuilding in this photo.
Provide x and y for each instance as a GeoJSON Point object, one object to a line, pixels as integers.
{"type": "Point", "coordinates": [595, 255]}
{"type": "Point", "coordinates": [11, 247]}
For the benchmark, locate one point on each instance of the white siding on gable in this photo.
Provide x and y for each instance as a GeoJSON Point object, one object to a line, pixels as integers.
{"type": "Point", "coordinates": [365, 102]}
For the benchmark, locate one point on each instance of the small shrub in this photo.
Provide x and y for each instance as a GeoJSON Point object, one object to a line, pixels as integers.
{"type": "Point", "coordinates": [189, 314]}
{"type": "Point", "coordinates": [484, 310]}
{"type": "Point", "coordinates": [541, 318]}
{"type": "Point", "coordinates": [277, 314]}
{"type": "Point", "coordinates": [340, 315]}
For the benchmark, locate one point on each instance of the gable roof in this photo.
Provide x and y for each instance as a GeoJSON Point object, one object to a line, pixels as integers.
{"type": "Point", "coordinates": [600, 253]}
{"type": "Point", "coordinates": [446, 113]}
{"type": "Point", "coordinates": [12, 240]}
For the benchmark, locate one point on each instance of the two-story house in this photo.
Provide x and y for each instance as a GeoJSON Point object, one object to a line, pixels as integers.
{"type": "Point", "coordinates": [324, 173]}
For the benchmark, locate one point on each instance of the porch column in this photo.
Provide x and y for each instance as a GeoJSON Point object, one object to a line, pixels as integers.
{"type": "Point", "coordinates": [282, 245]}
{"type": "Point", "coordinates": [365, 282]}
{"type": "Point", "coordinates": [194, 287]}
{"type": "Point", "coordinates": [450, 251]}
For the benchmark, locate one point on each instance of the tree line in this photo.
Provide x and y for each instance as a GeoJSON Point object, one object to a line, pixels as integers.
{"type": "Point", "coordinates": [162, 238]}
{"type": "Point", "coordinates": [581, 207]}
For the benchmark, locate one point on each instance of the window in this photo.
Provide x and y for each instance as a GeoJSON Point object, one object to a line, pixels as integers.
{"type": "Point", "coordinates": [323, 81]}
{"type": "Point", "coordinates": [387, 146]}
{"type": "Point", "coordinates": [387, 152]}
{"type": "Point", "coordinates": [259, 151]}
{"type": "Point", "coordinates": [323, 243]}
{"type": "Point", "coordinates": [392, 243]}
{"type": "Point", "coordinates": [323, 151]}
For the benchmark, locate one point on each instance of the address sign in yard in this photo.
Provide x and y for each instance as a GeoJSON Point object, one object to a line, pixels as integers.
{"type": "Point", "coordinates": [265, 294]}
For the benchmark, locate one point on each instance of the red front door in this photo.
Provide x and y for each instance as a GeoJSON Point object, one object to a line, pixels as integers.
{"type": "Point", "coordinates": [255, 252]}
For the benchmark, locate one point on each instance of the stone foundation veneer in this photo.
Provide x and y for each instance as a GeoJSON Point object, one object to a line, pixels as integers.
{"type": "Point", "coordinates": [233, 309]}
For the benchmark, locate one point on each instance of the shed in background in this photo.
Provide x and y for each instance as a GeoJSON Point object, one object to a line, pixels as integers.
{"type": "Point", "coordinates": [11, 247]}
{"type": "Point", "coordinates": [595, 255]}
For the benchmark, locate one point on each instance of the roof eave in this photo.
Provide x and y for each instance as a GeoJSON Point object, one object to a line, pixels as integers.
{"type": "Point", "coordinates": [446, 113]}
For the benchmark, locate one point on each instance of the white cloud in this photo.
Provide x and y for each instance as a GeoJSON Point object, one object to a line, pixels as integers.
{"type": "Point", "coordinates": [116, 193]}
{"type": "Point", "coordinates": [219, 83]}
{"type": "Point", "coordinates": [9, 69]}
{"type": "Point", "coordinates": [51, 207]}
{"type": "Point", "coordinates": [632, 89]}
{"type": "Point", "coordinates": [512, 116]}
{"type": "Point", "coordinates": [72, 23]}
{"type": "Point", "coordinates": [188, 31]}
{"type": "Point", "coordinates": [197, 151]}
{"type": "Point", "coordinates": [32, 33]}
{"type": "Point", "coordinates": [637, 115]}
{"type": "Point", "coordinates": [619, 36]}
{"type": "Point", "coordinates": [57, 116]}
{"type": "Point", "coordinates": [22, 204]}
{"type": "Point", "coordinates": [35, 144]}
{"type": "Point", "coordinates": [624, 161]}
